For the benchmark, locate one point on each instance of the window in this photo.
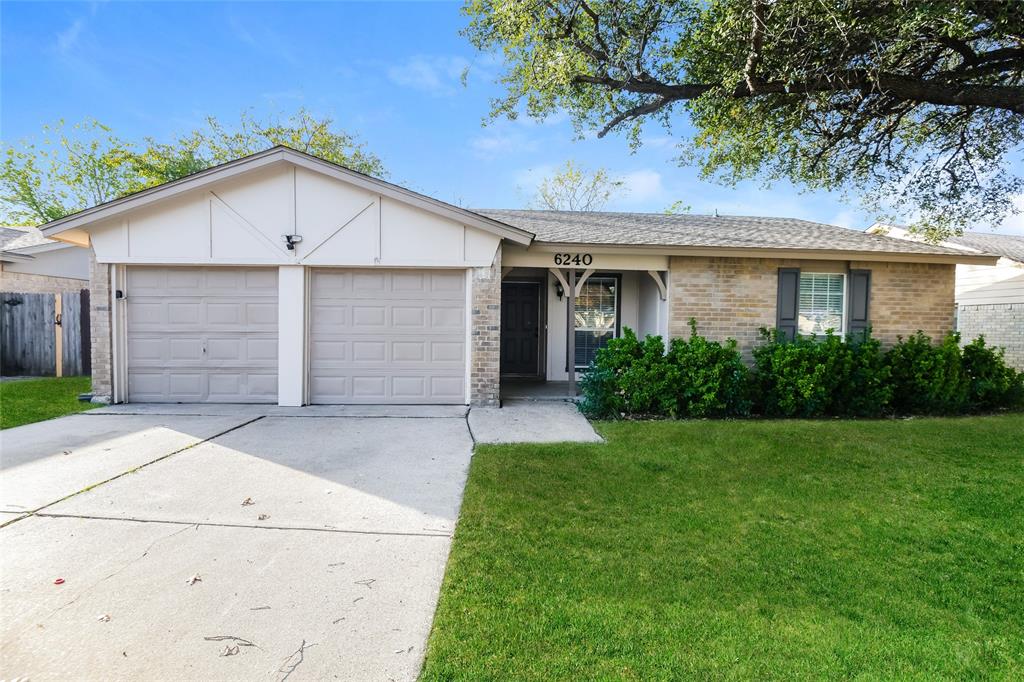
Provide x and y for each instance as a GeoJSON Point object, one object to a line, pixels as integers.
{"type": "Point", "coordinates": [597, 316]}
{"type": "Point", "coordinates": [822, 299]}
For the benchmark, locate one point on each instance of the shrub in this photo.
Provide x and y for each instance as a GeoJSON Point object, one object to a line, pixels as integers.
{"type": "Point", "coordinates": [708, 379]}
{"type": "Point", "coordinates": [813, 376]}
{"type": "Point", "coordinates": [927, 378]}
{"type": "Point", "coordinates": [695, 378]}
{"type": "Point", "coordinates": [991, 383]}
{"type": "Point", "coordinates": [806, 377]}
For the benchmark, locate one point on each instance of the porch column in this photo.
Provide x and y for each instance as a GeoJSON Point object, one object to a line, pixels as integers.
{"type": "Point", "coordinates": [291, 335]}
{"type": "Point", "coordinates": [570, 344]}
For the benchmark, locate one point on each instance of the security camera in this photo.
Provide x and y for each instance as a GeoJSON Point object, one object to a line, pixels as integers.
{"type": "Point", "coordinates": [290, 240]}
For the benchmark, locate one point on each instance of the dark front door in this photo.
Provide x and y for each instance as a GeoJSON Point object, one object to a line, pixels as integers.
{"type": "Point", "coordinates": [520, 333]}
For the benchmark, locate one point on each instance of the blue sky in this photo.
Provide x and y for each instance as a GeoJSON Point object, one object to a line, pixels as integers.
{"type": "Point", "coordinates": [389, 72]}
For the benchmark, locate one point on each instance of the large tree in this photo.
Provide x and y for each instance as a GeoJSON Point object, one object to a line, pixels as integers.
{"type": "Point", "coordinates": [915, 106]}
{"type": "Point", "coordinates": [76, 167]}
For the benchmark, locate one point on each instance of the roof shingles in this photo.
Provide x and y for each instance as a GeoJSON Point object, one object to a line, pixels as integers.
{"type": "Point", "coordinates": [685, 230]}
{"type": "Point", "coordinates": [1006, 245]}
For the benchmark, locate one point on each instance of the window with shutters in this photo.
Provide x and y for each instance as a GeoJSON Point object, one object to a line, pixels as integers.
{"type": "Point", "coordinates": [822, 303]}
{"type": "Point", "coordinates": [597, 316]}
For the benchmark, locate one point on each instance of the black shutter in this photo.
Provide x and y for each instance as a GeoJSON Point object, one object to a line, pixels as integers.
{"type": "Point", "coordinates": [788, 308]}
{"type": "Point", "coordinates": [860, 299]}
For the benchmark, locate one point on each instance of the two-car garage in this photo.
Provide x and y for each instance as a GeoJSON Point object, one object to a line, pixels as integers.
{"type": "Point", "coordinates": [210, 334]}
{"type": "Point", "coordinates": [283, 278]}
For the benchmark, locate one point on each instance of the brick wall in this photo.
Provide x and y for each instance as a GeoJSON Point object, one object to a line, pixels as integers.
{"type": "Point", "coordinates": [729, 297]}
{"type": "Point", "coordinates": [99, 302]}
{"type": "Point", "coordinates": [1001, 323]}
{"type": "Point", "coordinates": [735, 297]}
{"type": "Point", "coordinates": [485, 358]}
{"type": "Point", "coordinates": [907, 297]}
{"type": "Point", "coordinates": [24, 283]}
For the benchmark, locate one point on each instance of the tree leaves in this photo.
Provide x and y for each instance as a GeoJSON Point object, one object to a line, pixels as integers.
{"type": "Point", "coordinates": [912, 107]}
{"type": "Point", "coordinates": [73, 169]}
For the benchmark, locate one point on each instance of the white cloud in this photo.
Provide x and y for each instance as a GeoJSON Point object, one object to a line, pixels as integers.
{"type": "Point", "coordinates": [67, 39]}
{"type": "Point", "coordinates": [642, 185]}
{"type": "Point", "coordinates": [497, 144]}
{"type": "Point", "coordinates": [1014, 224]}
{"type": "Point", "coordinates": [845, 219]}
{"type": "Point", "coordinates": [436, 75]}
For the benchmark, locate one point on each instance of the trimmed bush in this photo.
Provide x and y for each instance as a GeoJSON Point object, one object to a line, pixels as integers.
{"type": "Point", "coordinates": [708, 378]}
{"type": "Point", "coordinates": [806, 377]}
{"type": "Point", "coordinates": [991, 383]}
{"type": "Point", "coordinates": [820, 376]}
{"type": "Point", "coordinates": [695, 378]}
{"type": "Point", "coordinates": [928, 378]}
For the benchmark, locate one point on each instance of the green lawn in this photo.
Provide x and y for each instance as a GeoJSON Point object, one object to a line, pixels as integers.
{"type": "Point", "coordinates": [742, 550]}
{"type": "Point", "coordinates": [31, 400]}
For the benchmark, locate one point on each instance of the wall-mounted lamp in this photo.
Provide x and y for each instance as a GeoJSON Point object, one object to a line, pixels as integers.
{"type": "Point", "coordinates": [559, 291]}
{"type": "Point", "coordinates": [290, 240]}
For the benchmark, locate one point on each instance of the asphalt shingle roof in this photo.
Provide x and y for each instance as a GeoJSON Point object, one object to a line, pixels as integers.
{"type": "Point", "coordinates": [12, 238]}
{"type": "Point", "coordinates": [685, 230]}
{"type": "Point", "coordinates": [1006, 245]}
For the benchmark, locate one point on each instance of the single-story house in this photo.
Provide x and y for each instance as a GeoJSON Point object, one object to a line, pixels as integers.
{"type": "Point", "coordinates": [284, 278]}
{"type": "Point", "coordinates": [32, 264]}
{"type": "Point", "coordinates": [989, 298]}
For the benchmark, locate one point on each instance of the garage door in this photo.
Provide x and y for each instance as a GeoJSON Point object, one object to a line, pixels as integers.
{"type": "Point", "coordinates": [387, 336]}
{"type": "Point", "coordinates": [202, 334]}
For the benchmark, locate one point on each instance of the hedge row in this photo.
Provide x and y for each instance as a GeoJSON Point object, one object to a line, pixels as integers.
{"type": "Point", "coordinates": [806, 377]}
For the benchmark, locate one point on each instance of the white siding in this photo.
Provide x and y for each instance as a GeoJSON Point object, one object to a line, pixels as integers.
{"type": "Point", "coordinates": [986, 285]}
{"type": "Point", "coordinates": [242, 221]}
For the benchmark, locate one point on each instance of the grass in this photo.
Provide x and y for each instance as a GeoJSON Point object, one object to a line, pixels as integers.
{"type": "Point", "coordinates": [742, 550]}
{"type": "Point", "coordinates": [31, 400]}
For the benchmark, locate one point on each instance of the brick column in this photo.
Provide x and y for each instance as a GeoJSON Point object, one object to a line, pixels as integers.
{"type": "Point", "coordinates": [485, 358]}
{"type": "Point", "coordinates": [99, 322]}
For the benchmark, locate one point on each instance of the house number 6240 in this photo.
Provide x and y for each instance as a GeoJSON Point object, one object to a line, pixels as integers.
{"type": "Point", "coordinates": [573, 259]}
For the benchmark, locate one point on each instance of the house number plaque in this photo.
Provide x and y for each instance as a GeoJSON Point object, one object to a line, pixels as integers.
{"type": "Point", "coordinates": [583, 259]}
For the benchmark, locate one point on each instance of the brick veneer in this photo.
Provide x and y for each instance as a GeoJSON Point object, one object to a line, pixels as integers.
{"type": "Point", "coordinates": [485, 350]}
{"type": "Point", "coordinates": [25, 283]}
{"type": "Point", "coordinates": [99, 319]}
{"type": "Point", "coordinates": [907, 297]}
{"type": "Point", "coordinates": [735, 297]}
{"type": "Point", "coordinates": [1002, 325]}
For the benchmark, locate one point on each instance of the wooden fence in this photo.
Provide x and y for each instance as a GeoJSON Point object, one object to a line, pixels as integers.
{"type": "Point", "coordinates": [45, 334]}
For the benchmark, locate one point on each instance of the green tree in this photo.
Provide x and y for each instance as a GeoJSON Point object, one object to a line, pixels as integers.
{"type": "Point", "coordinates": [73, 169]}
{"type": "Point", "coordinates": [572, 188]}
{"type": "Point", "coordinates": [914, 106]}
{"type": "Point", "coordinates": [69, 170]}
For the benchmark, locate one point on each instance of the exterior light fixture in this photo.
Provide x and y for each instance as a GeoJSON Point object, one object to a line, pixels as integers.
{"type": "Point", "coordinates": [559, 291]}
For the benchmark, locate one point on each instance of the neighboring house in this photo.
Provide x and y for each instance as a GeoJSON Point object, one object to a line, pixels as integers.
{"type": "Point", "coordinates": [283, 278]}
{"type": "Point", "coordinates": [989, 298]}
{"type": "Point", "coordinates": [32, 264]}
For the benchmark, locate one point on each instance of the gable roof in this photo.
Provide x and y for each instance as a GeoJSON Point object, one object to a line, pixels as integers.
{"type": "Point", "coordinates": [703, 231]}
{"type": "Point", "coordinates": [1006, 245]}
{"type": "Point", "coordinates": [274, 155]}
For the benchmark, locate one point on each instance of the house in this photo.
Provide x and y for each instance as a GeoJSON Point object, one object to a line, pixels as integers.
{"type": "Point", "coordinates": [283, 278]}
{"type": "Point", "coordinates": [989, 298]}
{"type": "Point", "coordinates": [32, 264]}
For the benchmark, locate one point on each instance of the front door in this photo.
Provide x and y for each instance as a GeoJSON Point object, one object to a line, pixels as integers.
{"type": "Point", "coordinates": [520, 329]}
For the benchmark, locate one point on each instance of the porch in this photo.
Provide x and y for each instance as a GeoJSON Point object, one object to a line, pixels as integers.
{"type": "Point", "coordinates": [555, 319]}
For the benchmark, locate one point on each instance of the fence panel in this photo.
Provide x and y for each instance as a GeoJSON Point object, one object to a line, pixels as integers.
{"type": "Point", "coordinates": [28, 334]}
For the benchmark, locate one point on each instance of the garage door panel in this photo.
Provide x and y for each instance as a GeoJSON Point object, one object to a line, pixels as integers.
{"type": "Point", "coordinates": [202, 334]}
{"type": "Point", "coordinates": [385, 336]}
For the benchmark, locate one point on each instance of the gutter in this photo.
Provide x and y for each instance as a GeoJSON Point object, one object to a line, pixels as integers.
{"type": "Point", "coordinates": [769, 252]}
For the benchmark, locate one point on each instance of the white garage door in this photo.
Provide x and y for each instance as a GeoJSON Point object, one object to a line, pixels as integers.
{"type": "Point", "coordinates": [202, 334]}
{"type": "Point", "coordinates": [387, 336]}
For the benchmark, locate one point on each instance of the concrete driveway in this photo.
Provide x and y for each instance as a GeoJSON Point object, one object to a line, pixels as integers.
{"type": "Point", "coordinates": [226, 542]}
